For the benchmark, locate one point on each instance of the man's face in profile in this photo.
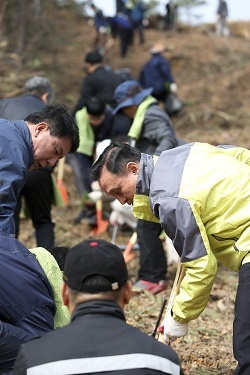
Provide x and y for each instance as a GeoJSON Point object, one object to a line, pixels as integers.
{"type": "Point", "coordinates": [121, 187]}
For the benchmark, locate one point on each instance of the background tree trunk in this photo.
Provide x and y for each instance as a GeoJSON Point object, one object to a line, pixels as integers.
{"type": "Point", "coordinates": [21, 29]}
{"type": "Point", "coordinates": [3, 5]}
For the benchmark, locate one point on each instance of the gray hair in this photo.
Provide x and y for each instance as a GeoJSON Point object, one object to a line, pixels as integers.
{"type": "Point", "coordinates": [39, 85]}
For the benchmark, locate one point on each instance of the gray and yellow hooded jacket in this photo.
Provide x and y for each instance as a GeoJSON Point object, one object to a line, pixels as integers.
{"type": "Point", "coordinates": [201, 196]}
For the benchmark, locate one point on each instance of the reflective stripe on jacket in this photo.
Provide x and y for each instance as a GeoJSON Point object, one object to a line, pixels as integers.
{"type": "Point", "coordinates": [97, 341]}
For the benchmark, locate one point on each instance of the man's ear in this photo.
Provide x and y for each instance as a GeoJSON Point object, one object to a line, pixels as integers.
{"type": "Point", "coordinates": [132, 167]}
{"type": "Point", "coordinates": [127, 292]}
{"type": "Point", "coordinates": [65, 294]}
{"type": "Point", "coordinates": [45, 98]}
{"type": "Point", "coordinates": [40, 127]}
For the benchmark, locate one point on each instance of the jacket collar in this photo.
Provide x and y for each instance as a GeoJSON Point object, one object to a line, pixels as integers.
{"type": "Point", "coordinates": [146, 169]}
{"type": "Point", "coordinates": [141, 202]}
{"type": "Point", "coordinates": [98, 307]}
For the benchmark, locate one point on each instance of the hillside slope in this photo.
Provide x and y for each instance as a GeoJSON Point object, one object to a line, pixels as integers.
{"type": "Point", "coordinates": [213, 74]}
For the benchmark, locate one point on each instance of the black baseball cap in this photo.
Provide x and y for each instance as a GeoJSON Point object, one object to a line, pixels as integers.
{"type": "Point", "coordinates": [93, 258]}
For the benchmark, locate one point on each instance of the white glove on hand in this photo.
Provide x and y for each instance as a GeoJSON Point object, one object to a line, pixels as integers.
{"type": "Point", "coordinates": [95, 186]}
{"type": "Point", "coordinates": [116, 218]}
{"type": "Point", "coordinates": [95, 195]}
{"type": "Point", "coordinates": [173, 88]}
{"type": "Point", "coordinates": [172, 328]}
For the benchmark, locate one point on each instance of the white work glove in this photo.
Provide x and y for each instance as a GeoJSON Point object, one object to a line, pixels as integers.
{"type": "Point", "coordinates": [173, 88]}
{"type": "Point", "coordinates": [102, 30]}
{"type": "Point", "coordinates": [172, 328]}
{"type": "Point", "coordinates": [95, 195]}
{"type": "Point", "coordinates": [95, 186]}
{"type": "Point", "coordinates": [116, 218]}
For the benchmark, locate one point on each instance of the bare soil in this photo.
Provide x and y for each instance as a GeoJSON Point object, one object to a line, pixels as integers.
{"type": "Point", "coordinates": [213, 76]}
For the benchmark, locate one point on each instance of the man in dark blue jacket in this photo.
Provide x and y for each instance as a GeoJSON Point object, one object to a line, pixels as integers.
{"type": "Point", "coordinates": [26, 300]}
{"type": "Point", "coordinates": [39, 141]}
{"type": "Point", "coordinates": [156, 73]}
{"type": "Point", "coordinates": [38, 188]}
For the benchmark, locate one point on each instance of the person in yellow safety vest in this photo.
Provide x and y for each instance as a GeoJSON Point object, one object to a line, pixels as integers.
{"type": "Point", "coordinates": [200, 195]}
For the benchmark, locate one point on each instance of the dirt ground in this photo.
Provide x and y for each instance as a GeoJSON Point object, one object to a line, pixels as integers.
{"type": "Point", "coordinates": [213, 76]}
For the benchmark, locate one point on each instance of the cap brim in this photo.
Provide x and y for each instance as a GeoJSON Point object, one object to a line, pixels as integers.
{"type": "Point", "coordinates": [125, 103]}
{"type": "Point", "coordinates": [135, 100]}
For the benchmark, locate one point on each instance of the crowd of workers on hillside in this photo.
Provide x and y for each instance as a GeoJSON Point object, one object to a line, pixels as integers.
{"type": "Point", "coordinates": [61, 306]}
{"type": "Point", "coordinates": [131, 19]}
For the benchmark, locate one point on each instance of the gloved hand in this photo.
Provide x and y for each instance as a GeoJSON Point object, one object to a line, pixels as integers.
{"type": "Point", "coordinates": [116, 218]}
{"type": "Point", "coordinates": [95, 186]}
{"type": "Point", "coordinates": [173, 88]}
{"type": "Point", "coordinates": [95, 195]}
{"type": "Point", "coordinates": [172, 328]}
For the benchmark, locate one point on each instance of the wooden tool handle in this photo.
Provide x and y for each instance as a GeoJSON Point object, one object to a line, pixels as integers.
{"type": "Point", "coordinates": [180, 273]}
{"type": "Point", "coordinates": [128, 254]}
{"type": "Point", "coordinates": [60, 171]}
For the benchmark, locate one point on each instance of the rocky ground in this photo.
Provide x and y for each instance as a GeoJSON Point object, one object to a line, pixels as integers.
{"type": "Point", "coordinates": [213, 76]}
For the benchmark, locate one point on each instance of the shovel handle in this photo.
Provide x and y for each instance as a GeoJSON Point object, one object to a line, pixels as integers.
{"type": "Point", "coordinates": [128, 254]}
{"type": "Point", "coordinates": [180, 273]}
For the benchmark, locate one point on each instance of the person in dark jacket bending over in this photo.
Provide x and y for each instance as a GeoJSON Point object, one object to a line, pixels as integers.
{"type": "Point", "coordinates": [99, 82]}
{"type": "Point", "coordinates": [36, 142]}
{"type": "Point", "coordinates": [38, 188]}
{"type": "Point", "coordinates": [151, 132]}
{"type": "Point", "coordinates": [98, 339]}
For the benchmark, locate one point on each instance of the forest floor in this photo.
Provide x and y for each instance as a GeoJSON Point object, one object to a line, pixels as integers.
{"type": "Point", "coordinates": [213, 76]}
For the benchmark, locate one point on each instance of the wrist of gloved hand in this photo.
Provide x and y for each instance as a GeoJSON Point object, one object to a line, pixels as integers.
{"type": "Point", "coordinates": [95, 195]}
{"type": "Point", "coordinates": [172, 328]}
{"type": "Point", "coordinates": [173, 88]}
{"type": "Point", "coordinates": [116, 218]}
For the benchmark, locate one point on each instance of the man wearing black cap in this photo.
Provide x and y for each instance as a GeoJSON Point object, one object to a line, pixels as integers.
{"type": "Point", "coordinates": [96, 290]}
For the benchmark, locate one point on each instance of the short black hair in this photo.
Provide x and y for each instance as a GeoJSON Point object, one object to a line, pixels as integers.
{"type": "Point", "coordinates": [115, 158]}
{"type": "Point", "coordinates": [95, 106]}
{"type": "Point", "coordinates": [61, 124]}
{"type": "Point", "coordinates": [59, 253]}
{"type": "Point", "coordinates": [93, 58]}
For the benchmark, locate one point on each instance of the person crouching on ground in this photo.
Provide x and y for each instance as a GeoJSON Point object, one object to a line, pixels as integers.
{"type": "Point", "coordinates": [98, 339]}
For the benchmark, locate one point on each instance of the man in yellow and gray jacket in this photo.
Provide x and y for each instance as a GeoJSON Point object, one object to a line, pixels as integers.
{"type": "Point", "coordinates": [200, 194]}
